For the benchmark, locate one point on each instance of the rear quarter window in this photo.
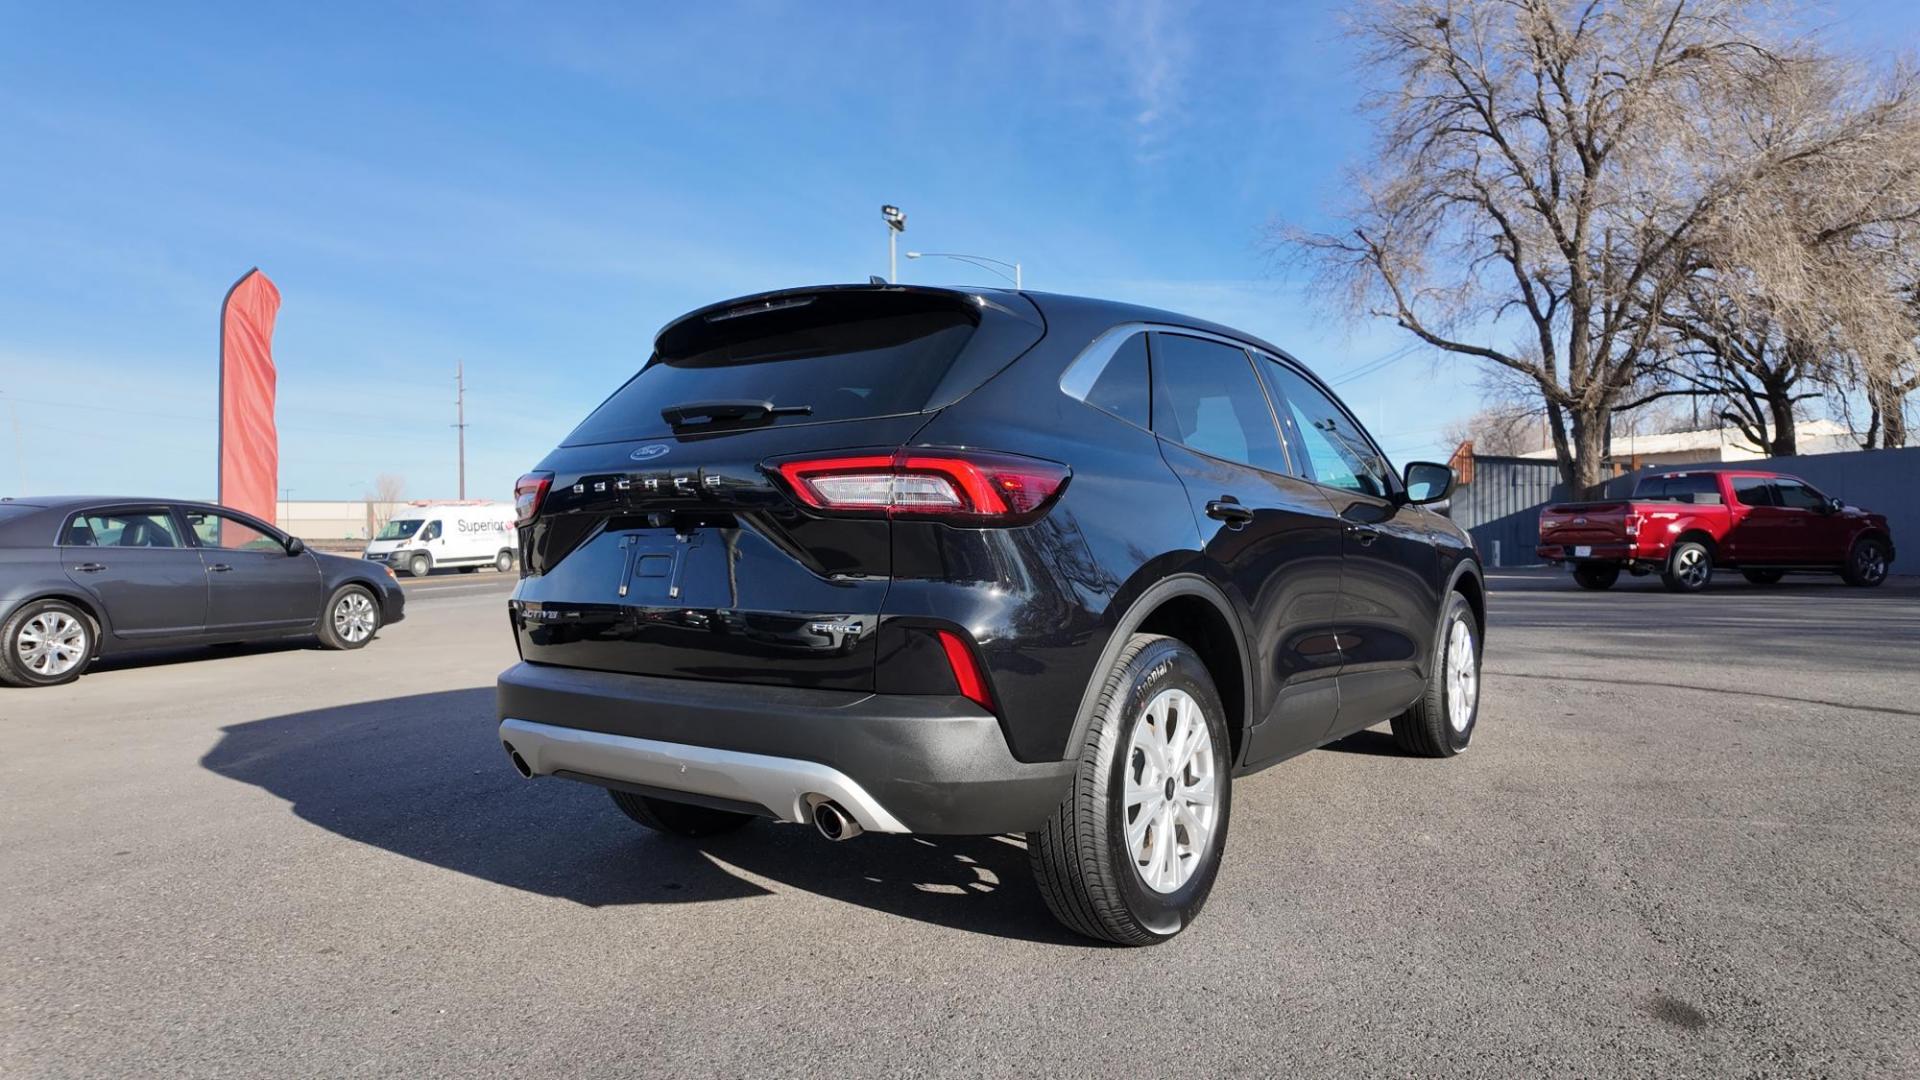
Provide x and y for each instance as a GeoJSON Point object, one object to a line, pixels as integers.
{"type": "Point", "coordinates": [845, 357]}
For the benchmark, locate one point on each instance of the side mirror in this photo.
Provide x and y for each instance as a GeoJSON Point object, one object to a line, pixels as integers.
{"type": "Point", "coordinates": [1834, 505]}
{"type": "Point", "coordinates": [295, 545]}
{"type": "Point", "coordinates": [1427, 482]}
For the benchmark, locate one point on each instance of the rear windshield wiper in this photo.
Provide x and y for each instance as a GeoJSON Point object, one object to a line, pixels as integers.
{"type": "Point", "coordinates": [732, 412]}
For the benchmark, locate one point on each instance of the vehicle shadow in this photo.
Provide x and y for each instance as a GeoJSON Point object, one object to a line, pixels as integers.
{"type": "Point", "coordinates": [1369, 741]}
{"type": "Point", "coordinates": [424, 776]}
{"type": "Point", "coordinates": [187, 654]}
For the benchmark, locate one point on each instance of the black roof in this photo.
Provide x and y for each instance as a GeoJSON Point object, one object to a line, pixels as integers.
{"type": "Point", "coordinates": [1051, 305]}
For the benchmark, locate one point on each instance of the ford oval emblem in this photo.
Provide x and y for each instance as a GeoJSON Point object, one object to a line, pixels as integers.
{"type": "Point", "coordinates": [650, 451]}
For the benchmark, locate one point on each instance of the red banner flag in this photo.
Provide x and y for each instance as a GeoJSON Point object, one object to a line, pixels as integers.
{"type": "Point", "coordinates": [249, 445]}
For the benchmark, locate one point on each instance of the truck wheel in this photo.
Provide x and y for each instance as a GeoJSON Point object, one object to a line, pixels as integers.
{"type": "Point", "coordinates": [351, 618]}
{"type": "Point", "coordinates": [419, 566]}
{"type": "Point", "coordinates": [1866, 563]}
{"type": "Point", "coordinates": [677, 819]}
{"type": "Point", "coordinates": [1596, 575]}
{"type": "Point", "coordinates": [1441, 723]}
{"type": "Point", "coordinates": [503, 562]}
{"type": "Point", "coordinates": [1131, 853]}
{"type": "Point", "coordinates": [46, 643]}
{"type": "Point", "coordinates": [1689, 567]}
{"type": "Point", "coordinates": [1763, 577]}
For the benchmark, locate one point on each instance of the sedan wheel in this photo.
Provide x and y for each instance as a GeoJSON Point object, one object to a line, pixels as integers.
{"type": "Point", "coordinates": [47, 643]}
{"type": "Point", "coordinates": [351, 619]}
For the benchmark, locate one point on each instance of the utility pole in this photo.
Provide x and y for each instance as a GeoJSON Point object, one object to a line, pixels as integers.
{"type": "Point", "coordinates": [460, 419]}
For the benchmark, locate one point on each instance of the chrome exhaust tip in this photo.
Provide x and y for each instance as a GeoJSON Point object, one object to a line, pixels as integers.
{"type": "Point", "coordinates": [519, 763]}
{"type": "Point", "coordinates": [833, 822]}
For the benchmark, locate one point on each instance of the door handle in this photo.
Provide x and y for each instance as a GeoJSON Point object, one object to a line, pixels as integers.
{"type": "Point", "coordinates": [91, 567]}
{"type": "Point", "coordinates": [1365, 534]}
{"type": "Point", "coordinates": [218, 568]}
{"type": "Point", "coordinates": [1228, 509]}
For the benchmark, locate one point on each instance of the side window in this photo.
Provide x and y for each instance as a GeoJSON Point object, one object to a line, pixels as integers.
{"type": "Point", "coordinates": [1334, 446]}
{"type": "Point", "coordinates": [1753, 491]}
{"type": "Point", "coordinates": [1122, 386]}
{"type": "Point", "coordinates": [122, 528]}
{"type": "Point", "coordinates": [216, 530]}
{"type": "Point", "coordinates": [1205, 397]}
{"type": "Point", "coordinates": [1795, 495]}
{"type": "Point", "coordinates": [431, 532]}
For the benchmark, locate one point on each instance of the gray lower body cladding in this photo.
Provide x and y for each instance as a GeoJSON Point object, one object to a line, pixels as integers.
{"type": "Point", "coordinates": [916, 763]}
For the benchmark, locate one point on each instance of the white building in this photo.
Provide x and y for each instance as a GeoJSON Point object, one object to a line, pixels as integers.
{"type": "Point", "coordinates": [1717, 444]}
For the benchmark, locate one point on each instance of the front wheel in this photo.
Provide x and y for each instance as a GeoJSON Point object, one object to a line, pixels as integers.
{"type": "Point", "coordinates": [419, 566]}
{"type": "Point", "coordinates": [351, 618]}
{"type": "Point", "coordinates": [1131, 853]}
{"type": "Point", "coordinates": [503, 562]}
{"type": "Point", "coordinates": [48, 642]}
{"type": "Point", "coordinates": [1867, 563]}
{"type": "Point", "coordinates": [1596, 575]}
{"type": "Point", "coordinates": [1689, 567]}
{"type": "Point", "coordinates": [1441, 722]}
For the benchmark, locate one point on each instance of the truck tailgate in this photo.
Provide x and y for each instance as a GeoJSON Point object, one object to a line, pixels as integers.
{"type": "Point", "coordinates": [1584, 524]}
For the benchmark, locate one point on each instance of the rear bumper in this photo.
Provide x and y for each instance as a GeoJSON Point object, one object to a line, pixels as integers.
{"type": "Point", "coordinates": [896, 762]}
{"type": "Point", "coordinates": [1595, 553]}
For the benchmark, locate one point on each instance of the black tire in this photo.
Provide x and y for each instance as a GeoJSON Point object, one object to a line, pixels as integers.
{"type": "Point", "coordinates": [1082, 860]}
{"type": "Point", "coordinates": [677, 819]}
{"type": "Point", "coordinates": [1596, 575]}
{"type": "Point", "coordinates": [419, 565]}
{"type": "Point", "coordinates": [1689, 567]}
{"type": "Point", "coordinates": [503, 562]}
{"type": "Point", "coordinates": [1867, 563]}
{"type": "Point", "coordinates": [350, 619]}
{"type": "Point", "coordinates": [1432, 727]}
{"type": "Point", "coordinates": [1763, 577]}
{"type": "Point", "coordinates": [71, 633]}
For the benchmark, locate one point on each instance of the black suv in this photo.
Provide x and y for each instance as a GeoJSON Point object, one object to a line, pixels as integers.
{"type": "Point", "coordinates": [900, 559]}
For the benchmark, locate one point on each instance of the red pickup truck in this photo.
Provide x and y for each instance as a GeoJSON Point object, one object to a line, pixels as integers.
{"type": "Point", "coordinates": [1682, 525]}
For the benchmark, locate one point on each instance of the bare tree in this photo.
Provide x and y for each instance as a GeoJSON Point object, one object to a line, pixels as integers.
{"type": "Point", "coordinates": [384, 499]}
{"type": "Point", "coordinates": [1545, 166]}
{"type": "Point", "coordinates": [1796, 282]}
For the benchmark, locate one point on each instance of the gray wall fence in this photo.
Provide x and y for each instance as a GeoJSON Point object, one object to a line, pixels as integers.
{"type": "Point", "coordinates": [1501, 508]}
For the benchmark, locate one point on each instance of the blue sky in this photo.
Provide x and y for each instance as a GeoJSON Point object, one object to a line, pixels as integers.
{"type": "Point", "coordinates": [534, 190]}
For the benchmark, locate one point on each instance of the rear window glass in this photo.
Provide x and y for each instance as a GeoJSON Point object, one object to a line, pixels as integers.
{"type": "Point", "coordinates": [1696, 489]}
{"type": "Point", "coordinates": [847, 357]}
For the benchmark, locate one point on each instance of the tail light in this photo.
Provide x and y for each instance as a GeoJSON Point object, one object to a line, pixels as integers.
{"type": "Point", "coordinates": [1633, 524]}
{"type": "Point", "coordinates": [966, 486]}
{"type": "Point", "coordinates": [966, 669]}
{"type": "Point", "coordinates": [528, 493]}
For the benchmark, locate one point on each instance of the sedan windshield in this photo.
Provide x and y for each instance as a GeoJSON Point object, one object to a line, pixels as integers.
{"type": "Point", "coordinates": [400, 529]}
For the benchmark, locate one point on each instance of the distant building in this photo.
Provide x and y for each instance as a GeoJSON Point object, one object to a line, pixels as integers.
{"type": "Point", "coordinates": [1716, 444]}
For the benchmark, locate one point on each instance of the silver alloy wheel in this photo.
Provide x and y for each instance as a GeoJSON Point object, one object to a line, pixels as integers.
{"type": "Point", "coordinates": [1463, 676]}
{"type": "Point", "coordinates": [353, 617]}
{"type": "Point", "coordinates": [1692, 566]}
{"type": "Point", "coordinates": [1871, 563]}
{"type": "Point", "coordinates": [51, 643]}
{"type": "Point", "coordinates": [1170, 798]}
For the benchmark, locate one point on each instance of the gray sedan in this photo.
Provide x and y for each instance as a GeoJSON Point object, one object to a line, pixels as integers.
{"type": "Point", "coordinates": [82, 577]}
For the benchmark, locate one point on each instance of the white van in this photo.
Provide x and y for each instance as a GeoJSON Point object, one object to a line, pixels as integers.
{"type": "Point", "coordinates": [465, 535]}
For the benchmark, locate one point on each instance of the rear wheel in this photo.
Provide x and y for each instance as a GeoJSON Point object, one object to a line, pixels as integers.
{"type": "Point", "coordinates": [1131, 853]}
{"type": "Point", "coordinates": [1867, 563]}
{"type": "Point", "coordinates": [1596, 575]}
{"type": "Point", "coordinates": [1689, 567]}
{"type": "Point", "coordinates": [1763, 577]}
{"type": "Point", "coordinates": [47, 643]}
{"type": "Point", "coordinates": [1441, 723]}
{"type": "Point", "coordinates": [419, 566]}
{"type": "Point", "coordinates": [678, 819]}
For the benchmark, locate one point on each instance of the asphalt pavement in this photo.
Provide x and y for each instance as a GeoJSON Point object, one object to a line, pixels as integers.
{"type": "Point", "coordinates": [1684, 843]}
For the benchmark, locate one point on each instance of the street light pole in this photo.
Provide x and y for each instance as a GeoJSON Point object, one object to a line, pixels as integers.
{"type": "Point", "coordinates": [460, 419]}
{"type": "Point", "coordinates": [983, 262]}
{"type": "Point", "coordinates": [896, 224]}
